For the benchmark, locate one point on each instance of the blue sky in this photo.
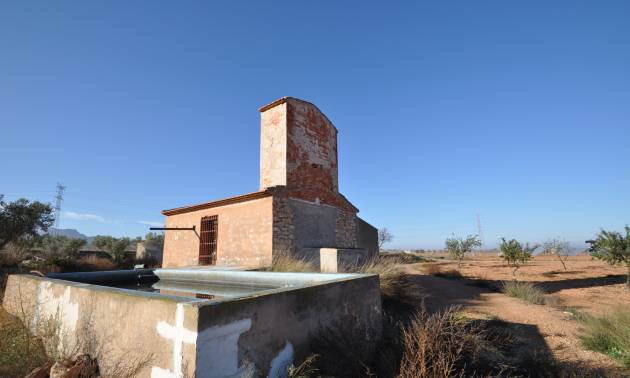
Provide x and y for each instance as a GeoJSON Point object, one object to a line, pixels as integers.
{"type": "Point", "coordinates": [517, 111]}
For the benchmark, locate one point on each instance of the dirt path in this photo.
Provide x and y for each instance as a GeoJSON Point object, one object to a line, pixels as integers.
{"type": "Point", "coordinates": [541, 327]}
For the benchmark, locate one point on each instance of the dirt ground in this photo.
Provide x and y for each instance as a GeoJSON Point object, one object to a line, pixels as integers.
{"type": "Point", "coordinates": [587, 285]}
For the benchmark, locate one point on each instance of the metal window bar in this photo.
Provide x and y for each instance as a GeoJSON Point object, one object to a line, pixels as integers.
{"type": "Point", "coordinates": [208, 240]}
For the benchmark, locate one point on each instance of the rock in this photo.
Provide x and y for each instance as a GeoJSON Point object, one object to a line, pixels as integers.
{"type": "Point", "coordinates": [40, 372]}
{"type": "Point", "coordinates": [59, 369]}
{"type": "Point", "coordinates": [83, 366]}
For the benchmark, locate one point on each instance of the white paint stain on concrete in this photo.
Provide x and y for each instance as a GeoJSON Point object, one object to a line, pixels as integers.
{"type": "Point", "coordinates": [59, 309]}
{"type": "Point", "coordinates": [281, 362]}
{"type": "Point", "coordinates": [217, 350]}
{"type": "Point", "coordinates": [180, 336]}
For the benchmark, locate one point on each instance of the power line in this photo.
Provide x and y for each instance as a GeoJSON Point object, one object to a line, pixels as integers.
{"type": "Point", "coordinates": [480, 232]}
{"type": "Point", "coordinates": [59, 200]}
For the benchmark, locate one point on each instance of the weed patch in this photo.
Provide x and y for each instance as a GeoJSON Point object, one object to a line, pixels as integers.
{"type": "Point", "coordinates": [609, 334]}
{"type": "Point", "coordinates": [525, 291]}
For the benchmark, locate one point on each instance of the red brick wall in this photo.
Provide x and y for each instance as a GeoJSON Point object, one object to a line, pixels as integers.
{"type": "Point", "coordinates": [312, 168]}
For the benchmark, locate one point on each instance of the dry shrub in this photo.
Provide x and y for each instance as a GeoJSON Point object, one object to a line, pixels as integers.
{"type": "Point", "coordinates": [304, 370]}
{"type": "Point", "coordinates": [90, 263]}
{"type": "Point", "coordinates": [436, 270]}
{"type": "Point", "coordinates": [434, 345]}
{"type": "Point", "coordinates": [397, 288]}
{"type": "Point", "coordinates": [432, 269]}
{"type": "Point", "coordinates": [284, 262]}
{"type": "Point", "coordinates": [12, 256]}
{"type": "Point", "coordinates": [451, 274]}
{"type": "Point", "coordinates": [553, 301]}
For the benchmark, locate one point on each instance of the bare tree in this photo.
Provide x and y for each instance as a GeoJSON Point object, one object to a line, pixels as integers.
{"type": "Point", "coordinates": [384, 236]}
{"type": "Point", "coordinates": [559, 248]}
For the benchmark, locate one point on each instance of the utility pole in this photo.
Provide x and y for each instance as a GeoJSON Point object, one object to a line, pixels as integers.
{"type": "Point", "coordinates": [59, 200]}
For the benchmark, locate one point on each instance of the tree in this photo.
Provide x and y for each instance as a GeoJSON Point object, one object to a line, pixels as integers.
{"type": "Point", "coordinates": [384, 236]}
{"type": "Point", "coordinates": [115, 247]}
{"type": "Point", "coordinates": [154, 239]}
{"type": "Point", "coordinates": [614, 248]}
{"type": "Point", "coordinates": [559, 248]}
{"type": "Point", "coordinates": [458, 247]}
{"type": "Point", "coordinates": [515, 253]}
{"type": "Point", "coordinates": [23, 219]}
{"type": "Point", "coordinates": [60, 246]}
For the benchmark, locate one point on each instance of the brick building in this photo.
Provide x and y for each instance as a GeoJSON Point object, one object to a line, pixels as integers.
{"type": "Point", "coordinates": [298, 209]}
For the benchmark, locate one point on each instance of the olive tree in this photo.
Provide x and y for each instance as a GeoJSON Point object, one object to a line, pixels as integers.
{"type": "Point", "coordinates": [515, 254]}
{"type": "Point", "coordinates": [22, 219]}
{"type": "Point", "coordinates": [559, 248]}
{"type": "Point", "coordinates": [614, 248]}
{"type": "Point", "coordinates": [60, 246]}
{"type": "Point", "coordinates": [115, 247]}
{"type": "Point", "coordinates": [458, 247]}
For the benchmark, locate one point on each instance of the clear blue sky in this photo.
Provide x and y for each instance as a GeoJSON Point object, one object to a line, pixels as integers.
{"type": "Point", "coordinates": [517, 111]}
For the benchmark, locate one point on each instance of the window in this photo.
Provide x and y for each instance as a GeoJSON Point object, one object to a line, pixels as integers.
{"type": "Point", "coordinates": [208, 240]}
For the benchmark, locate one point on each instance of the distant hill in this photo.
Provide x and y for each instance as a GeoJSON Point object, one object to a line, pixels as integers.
{"type": "Point", "coordinates": [70, 233]}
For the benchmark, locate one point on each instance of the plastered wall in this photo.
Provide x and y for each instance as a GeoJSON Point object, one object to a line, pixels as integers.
{"type": "Point", "coordinates": [244, 235]}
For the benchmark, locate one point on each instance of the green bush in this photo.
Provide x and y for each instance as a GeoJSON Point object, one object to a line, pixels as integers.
{"type": "Point", "coordinates": [524, 291]}
{"type": "Point", "coordinates": [609, 334]}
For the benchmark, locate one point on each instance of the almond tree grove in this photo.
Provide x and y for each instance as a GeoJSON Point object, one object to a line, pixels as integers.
{"type": "Point", "coordinates": [515, 254]}
{"type": "Point", "coordinates": [614, 248]}
{"type": "Point", "coordinates": [458, 247]}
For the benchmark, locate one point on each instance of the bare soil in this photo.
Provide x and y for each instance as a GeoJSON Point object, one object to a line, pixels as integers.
{"type": "Point", "coordinates": [587, 285]}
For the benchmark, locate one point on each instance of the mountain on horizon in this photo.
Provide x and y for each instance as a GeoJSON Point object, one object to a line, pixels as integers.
{"type": "Point", "coordinates": [70, 233]}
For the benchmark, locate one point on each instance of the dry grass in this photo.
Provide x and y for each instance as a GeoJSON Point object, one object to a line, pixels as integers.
{"type": "Point", "coordinates": [405, 258]}
{"type": "Point", "coordinates": [288, 263]}
{"type": "Point", "coordinates": [10, 257]}
{"type": "Point", "coordinates": [397, 288]}
{"type": "Point", "coordinates": [20, 352]}
{"type": "Point", "coordinates": [303, 370]}
{"type": "Point", "coordinates": [434, 345]}
{"type": "Point", "coordinates": [525, 291]}
{"type": "Point", "coordinates": [91, 263]}
{"type": "Point", "coordinates": [438, 271]}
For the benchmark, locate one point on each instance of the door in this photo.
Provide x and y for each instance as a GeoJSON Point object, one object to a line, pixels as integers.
{"type": "Point", "coordinates": [208, 240]}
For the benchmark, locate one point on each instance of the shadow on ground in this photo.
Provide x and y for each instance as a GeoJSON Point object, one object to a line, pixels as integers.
{"type": "Point", "coordinates": [515, 349]}
{"type": "Point", "coordinates": [521, 349]}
